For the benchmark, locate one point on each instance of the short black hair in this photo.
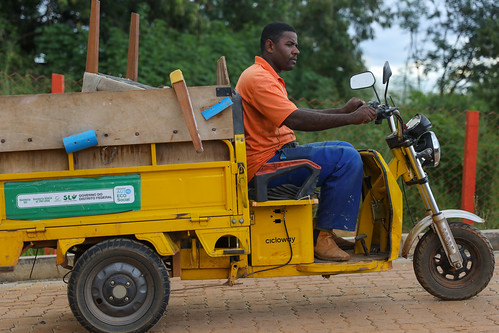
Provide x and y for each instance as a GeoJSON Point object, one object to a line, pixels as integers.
{"type": "Point", "coordinates": [274, 31]}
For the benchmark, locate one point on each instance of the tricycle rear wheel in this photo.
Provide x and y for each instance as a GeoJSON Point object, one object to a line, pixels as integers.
{"type": "Point", "coordinates": [119, 285]}
{"type": "Point", "coordinates": [436, 274]}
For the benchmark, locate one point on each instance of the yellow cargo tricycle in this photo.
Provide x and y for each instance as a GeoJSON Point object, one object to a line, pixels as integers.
{"type": "Point", "coordinates": [112, 178]}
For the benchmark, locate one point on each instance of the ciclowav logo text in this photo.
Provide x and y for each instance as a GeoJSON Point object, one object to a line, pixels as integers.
{"type": "Point", "coordinates": [280, 240]}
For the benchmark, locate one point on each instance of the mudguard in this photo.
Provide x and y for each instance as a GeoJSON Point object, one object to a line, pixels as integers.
{"type": "Point", "coordinates": [427, 221]}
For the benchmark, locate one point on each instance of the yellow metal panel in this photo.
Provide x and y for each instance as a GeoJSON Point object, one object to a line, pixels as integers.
{"type": "Point", "coordinates": [187, 189]}
{"type": "Point", "coordinates": [209, 237]}
{"type": "Point", "coordinates": [323, 269]}
{"type": "Point", "coordinates": [328, 268]}
{"type": "Point", "coordinates": [162, 242]}
{"type": "Point", "coordinates": [105, 226]}
{"type": "Point", "coordinates": [167, 192]}
{"type": "Point", "coordinates": [2, 203]}
{"type": "Point", "coordinates": [12, 245]}
{"type": "Point", "coordinates": [204, 274]}
{"type": "Point", "coordinates": [242, 181]}
{"type": "Point", "coordinates": [270, 245]}
{"type": "Point", "coordinates": [206, 261]}
{"type": "Point", "coordinates": [386, 191]}
{"type": "Point", "coordinates": [187, 260]}
{"type": "Point", "coordinates": [63, 245]}
{"type": "Point", "coordinates": [397, 206]}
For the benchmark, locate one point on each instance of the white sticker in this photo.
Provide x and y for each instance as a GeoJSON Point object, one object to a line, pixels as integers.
{"type": "Point", "coordinates": [124, 194]}
{"type": "Point", "coordinates": [65, 198]}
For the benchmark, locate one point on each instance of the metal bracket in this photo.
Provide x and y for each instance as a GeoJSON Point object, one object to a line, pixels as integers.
{"type": "Point", "coordinates": [234, 267]}
{"type": "Point", "coordinates": [418, 181]}
{"type": "Point", "coordinates": [223, 91]}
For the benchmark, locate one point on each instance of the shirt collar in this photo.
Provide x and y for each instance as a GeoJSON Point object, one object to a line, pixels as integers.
{"type": "Point", "coordinates": [262, 62]}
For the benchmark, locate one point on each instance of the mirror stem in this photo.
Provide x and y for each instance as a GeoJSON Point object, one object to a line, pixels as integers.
{"type": "Point", "coordinates": [386, 91]}
{"type": "Point", "coordinates": [374, 88]}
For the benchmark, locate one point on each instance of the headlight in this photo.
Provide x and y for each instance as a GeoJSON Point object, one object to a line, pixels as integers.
{"type": "Point", "coordinates": [418, 125]}
{"type": "Point", "coordinates": [428, 150]}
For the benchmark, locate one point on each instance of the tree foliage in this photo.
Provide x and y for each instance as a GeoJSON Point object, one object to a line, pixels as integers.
{"type": "Point", "coordinates": [190, 35]}
{"type": "Point", "coordinates": [458, 39]}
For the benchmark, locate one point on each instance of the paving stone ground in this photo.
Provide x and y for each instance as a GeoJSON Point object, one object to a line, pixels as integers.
{"type": "Point", "coordinates": [390, 301]}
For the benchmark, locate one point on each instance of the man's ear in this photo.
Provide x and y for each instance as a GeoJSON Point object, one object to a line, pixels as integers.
{"type": "Point", "coordinates": [269, 46]}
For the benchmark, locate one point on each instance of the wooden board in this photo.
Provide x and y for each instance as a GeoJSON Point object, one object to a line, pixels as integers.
{"type": "Point", "coordinates": [33, 161]}
{"type": "Point", "coordinates": [175, 153]}
{"type": "Point", "coordinates": [113, 157]}
{"type": "Point", "coordinates": [102, 82]}
{"type": "Point", "coordinates": [35, 122]}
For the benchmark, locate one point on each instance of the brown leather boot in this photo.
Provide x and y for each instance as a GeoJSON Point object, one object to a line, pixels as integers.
{"type": "Point", "coordinates": [342, 243]}
{"type": "Point", "coordinates": [326, 248]}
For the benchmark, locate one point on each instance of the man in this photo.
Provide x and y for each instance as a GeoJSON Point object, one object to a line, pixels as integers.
{"type": "Point", "coordinates": [269, 120]}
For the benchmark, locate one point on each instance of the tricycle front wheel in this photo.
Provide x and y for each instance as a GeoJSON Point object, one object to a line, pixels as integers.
{"type": "Point", "coordinates": [439, 278]}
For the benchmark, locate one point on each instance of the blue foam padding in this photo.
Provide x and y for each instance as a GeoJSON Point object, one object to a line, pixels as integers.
{"type": "Point", "coordinates": [80, 141]}
{"type": "Point", "coordinates": [217, 108]}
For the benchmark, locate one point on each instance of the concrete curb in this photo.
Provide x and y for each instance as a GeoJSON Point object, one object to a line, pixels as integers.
{"type": "Point", "coordinates": [45, 267]}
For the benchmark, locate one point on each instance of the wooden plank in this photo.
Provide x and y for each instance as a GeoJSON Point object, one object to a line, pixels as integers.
{"type": "Point", "coordinates": [182, 152]}
{"type": "Point", "coordinates": [113, 157]}
{"type": "Point", "coordinates": [92, 65]}
{"type": "Point", "coordinates": [33, 161]}
{"type": "Point", "coordinates": [34, 122]}
{"type": "Point", "coordinates": [102, 82]}
{"type": "Point", "coordinates": [184, 100]}
{"type": "Point", "coordinates": [222, 73]}
{"type": "Point", "coordinates": [132, 68]}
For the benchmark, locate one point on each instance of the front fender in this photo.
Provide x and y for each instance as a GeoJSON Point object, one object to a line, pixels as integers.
{"type": "Point", "coordinates": [427, 221]}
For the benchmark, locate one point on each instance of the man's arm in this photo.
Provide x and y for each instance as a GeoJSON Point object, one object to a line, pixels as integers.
{"type": "Point", "coordinates": [318, 120]}
{"type": "Point", "coordinates": [352, 105]}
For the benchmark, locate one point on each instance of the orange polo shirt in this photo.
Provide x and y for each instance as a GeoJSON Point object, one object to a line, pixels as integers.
{"type": "Point", "coordinates": [265, 107]}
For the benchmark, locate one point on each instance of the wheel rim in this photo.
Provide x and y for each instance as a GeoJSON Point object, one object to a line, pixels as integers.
{"type": "Point", "coordinates": [119, 292]}
{"type": "Point", "coordinates": [442, 270]}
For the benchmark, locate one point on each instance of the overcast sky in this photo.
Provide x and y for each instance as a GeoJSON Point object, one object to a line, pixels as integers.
{"type": "Point", "coordinates": [392, 45]}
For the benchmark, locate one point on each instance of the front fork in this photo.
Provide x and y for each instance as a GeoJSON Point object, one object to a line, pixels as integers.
{"type": "Point", "coordinates": [440, 224]}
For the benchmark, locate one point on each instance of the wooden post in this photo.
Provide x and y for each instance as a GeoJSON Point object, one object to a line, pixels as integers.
{"type": "Point", "coordinates": [57, 88]}
{"type": "Point", "coordinates": [222, 73]}
{"type": "Point", "coordinates": [184, 100]}
{"type": "Point", "coordinates": [469, 163]}
{"type": "Point", "coordinates": [57, 83]}
{"type": "Point", "coordinates": [93, 39]}
{"type": "Point", "coordinates": [132, 67]}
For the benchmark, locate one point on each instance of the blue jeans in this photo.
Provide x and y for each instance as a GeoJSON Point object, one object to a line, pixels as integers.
{"type": "Point", "coordinates": [340, 180]}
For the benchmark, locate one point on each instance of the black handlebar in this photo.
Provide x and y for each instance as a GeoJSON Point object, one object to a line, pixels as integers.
{"type": "Point", "coordinates": [383, 111]}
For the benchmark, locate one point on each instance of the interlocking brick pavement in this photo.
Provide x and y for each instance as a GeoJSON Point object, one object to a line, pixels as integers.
{"type": "Point", "coordinates": [390, 301]}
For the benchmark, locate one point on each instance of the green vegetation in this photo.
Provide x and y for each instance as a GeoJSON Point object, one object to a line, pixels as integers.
{"type": "Point", "coordinates": [446, 179]}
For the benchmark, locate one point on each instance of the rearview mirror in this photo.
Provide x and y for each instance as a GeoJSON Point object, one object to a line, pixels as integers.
{"type": "Point", "coordinates": [387, 72]}
{"type": "Point", "coordinates": [362, 80]}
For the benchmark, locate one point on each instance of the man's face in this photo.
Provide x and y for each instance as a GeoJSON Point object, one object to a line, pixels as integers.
{"type": "Point", "coordinates": [284, 53]}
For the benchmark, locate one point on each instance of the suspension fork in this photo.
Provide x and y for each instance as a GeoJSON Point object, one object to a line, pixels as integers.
{"type": "Point", "coordinates": [440, 224]}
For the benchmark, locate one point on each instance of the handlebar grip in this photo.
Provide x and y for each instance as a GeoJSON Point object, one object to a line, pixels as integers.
{"type": "Point", "coordinates": [379, 111]}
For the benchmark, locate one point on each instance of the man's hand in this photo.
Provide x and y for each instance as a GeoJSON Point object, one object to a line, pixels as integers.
{"type": "Point", "coordinates": [353, 104]}
{"type": "Point", "coordinates": [363, 115]}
